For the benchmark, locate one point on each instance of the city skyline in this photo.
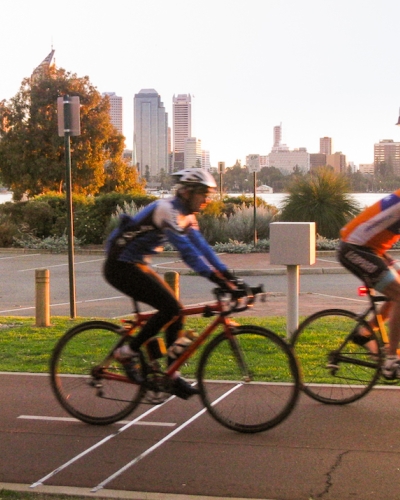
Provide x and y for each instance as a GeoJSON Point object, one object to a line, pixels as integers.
{"type": "Point", "coordinates": [321, 68]}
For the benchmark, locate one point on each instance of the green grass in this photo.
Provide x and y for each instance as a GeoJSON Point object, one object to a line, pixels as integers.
{"type": "Point", "coordinates": [27, 348]}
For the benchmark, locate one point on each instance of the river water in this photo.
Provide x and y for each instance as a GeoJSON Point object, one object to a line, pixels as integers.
{"type": "Point", "coordinates": [365, 199]}
{"type": "Point", "coordinates": [5, 196]}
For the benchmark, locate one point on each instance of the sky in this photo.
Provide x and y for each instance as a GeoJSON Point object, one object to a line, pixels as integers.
{"type": "Point", "coordinates": [317, 67]}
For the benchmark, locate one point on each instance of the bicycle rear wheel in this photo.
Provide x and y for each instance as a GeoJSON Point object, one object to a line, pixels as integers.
{"type": "Point", "coordinates": [76, 367]}
{"type": "Point", "coordinates": [335, 370]}
{"type": "Point", "coordinates": [249, 382]}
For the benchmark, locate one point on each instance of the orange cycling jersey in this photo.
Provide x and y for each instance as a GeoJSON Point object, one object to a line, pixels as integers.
{"type": "Point", "coordinates": [377, 227]}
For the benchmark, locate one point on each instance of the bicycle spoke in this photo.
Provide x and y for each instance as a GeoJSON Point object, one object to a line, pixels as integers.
{"type": "Point", "coordinates": [258, 388]}
{"type": "Point", "coordinates": [79, 382]}
{"type": "Point", "coordinates": [335, 369]}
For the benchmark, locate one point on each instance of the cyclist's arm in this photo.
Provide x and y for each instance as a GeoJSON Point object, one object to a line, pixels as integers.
{"type": "Point", "coordinates": [189, 253]}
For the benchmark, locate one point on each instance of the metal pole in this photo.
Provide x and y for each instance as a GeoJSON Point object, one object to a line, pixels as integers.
{"type": "Point", "coordinates": [70, 223]}
{"type": "Point", "coordinates": [293, 272]}
{"type": "Point", "coordinates": [255, 207]}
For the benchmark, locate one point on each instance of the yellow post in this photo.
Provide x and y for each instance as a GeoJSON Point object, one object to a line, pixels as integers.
{"type": "Point", "coordinates": [42, 281]}
{"type": "Point", "coordinates": [172, 279]}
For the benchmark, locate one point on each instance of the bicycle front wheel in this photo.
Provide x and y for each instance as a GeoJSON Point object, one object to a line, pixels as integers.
{"type": "Point", "coordinates": [249, 381]}
{"type": "Point", "coordinates": [335, 370]}
{"type": "Point", "coordinates": [78, 372]}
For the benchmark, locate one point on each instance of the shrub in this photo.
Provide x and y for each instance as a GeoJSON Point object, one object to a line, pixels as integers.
{"type": "Point", "coordinates": [8, 231]}
{"type": "Point", "coordinates": [54, 244]}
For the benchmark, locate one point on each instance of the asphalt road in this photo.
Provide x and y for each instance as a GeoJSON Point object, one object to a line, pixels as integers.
{"type": "Point", "coordinates": [174, 451]}
{"type": "Point", "coordinates": [94, 297]}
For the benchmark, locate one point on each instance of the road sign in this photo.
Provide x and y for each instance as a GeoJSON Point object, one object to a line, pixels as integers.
{"type": "Point", "coordinates": [253, 163]}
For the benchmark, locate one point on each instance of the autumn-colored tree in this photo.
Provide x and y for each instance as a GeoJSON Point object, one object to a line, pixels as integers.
{"type": "Point", "coordinates": [32, 155]}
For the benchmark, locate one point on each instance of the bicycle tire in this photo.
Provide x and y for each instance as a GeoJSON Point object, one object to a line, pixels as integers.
{"type": "Point", "coordinates": [91, 399]}
{"type": "Point", "coordinates": [317, 342]}
{"type": "Point", "coordinates": [255, 401]}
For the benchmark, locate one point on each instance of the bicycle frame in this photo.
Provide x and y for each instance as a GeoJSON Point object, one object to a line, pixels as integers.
{"type": "Point", "coordinates": [374, 300]}
{"type": "Point", "coordinates": [219, 308]}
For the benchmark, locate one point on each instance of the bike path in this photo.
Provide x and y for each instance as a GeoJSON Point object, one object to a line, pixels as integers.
{"type": "Point", "coordinates": [318, 452]}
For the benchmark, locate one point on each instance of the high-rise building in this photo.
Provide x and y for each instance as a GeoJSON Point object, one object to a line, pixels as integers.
{"type": "Point", "coordinates": [277, 136]}
{"type": "Point", "coordinates": [287, 160]}
{"type": "Point", "coordinates": [182, 125]}
{"type": "Point", "coordinates": [325, 145]}
{"type": "Point", "coordinates": [387, 152]}
{"type": "Point", "coordinates": [277, 140]}
{"type": "Point", "coordinates": [44, 67]}
{"type": "Point", "coordinates": [205, 159]}
{"type": "Point", "coordinates": [317, 160]}
{"type": "Point", "coordinates": [150, 133]}
{"type": "Point", "coordinates": [193, 156]}
{"type": "Point", "coordinates": [337, 161]}
{"type": "Point", "coordinates": [115, 110]}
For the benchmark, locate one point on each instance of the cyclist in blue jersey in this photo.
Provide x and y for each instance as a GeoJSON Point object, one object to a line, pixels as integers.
{"type": "Point", "coordinates": [127, 269]}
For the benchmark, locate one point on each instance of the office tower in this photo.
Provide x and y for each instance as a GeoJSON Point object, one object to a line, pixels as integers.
{"type": "Point", "coordinates": [287, 160]}
{"type": "Point", "coordinates": [277, 140]}
{"type": "Point", "coordinates": [205, 159]}
{"type": "Point", "coordinates": [43, 69]}
{"type": "Point", "coordinates": [325, 145]}
{"type": "Point", "coordinates": [150, 133]}
{"type": "Point", "coordinates": [317, 160]}
{"type": "Point", "coordinates": [277, 136]}
{"type": "Point", "coordinates": [182, 126]}
{"type": "Point", "coordinates": [192, 152]}
{"type": "Point", "coordinates": [115, 110]}
{"type": "Point", "coordinates": [337, 161]}
{"type": "Point", "coordinates": [387, 153]}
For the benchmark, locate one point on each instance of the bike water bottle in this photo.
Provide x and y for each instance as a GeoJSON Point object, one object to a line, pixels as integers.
{"type": "Point", "coordinates": [181, 344]}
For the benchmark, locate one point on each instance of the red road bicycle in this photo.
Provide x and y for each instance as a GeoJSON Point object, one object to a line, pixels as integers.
{"type": "Point", "coordinates": [248, 376]}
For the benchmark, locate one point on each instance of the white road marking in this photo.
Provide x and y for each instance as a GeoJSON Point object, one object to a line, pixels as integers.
{"type": "Point", "coordinates": [62, 265]}
{"type": "Point", "coordinates": [162, 441]}
{"type": "Point", "coordinates": [20, 256]}
{"type": "Point", "coordinates": [70, 419]}
{"type": "Point", "coordinates": [99, 443]}
{"type": "Point", "coordinates": [61, 304]}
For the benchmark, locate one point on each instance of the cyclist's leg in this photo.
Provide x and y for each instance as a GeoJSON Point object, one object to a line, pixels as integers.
{"type": "Point", "coordinates": [369, 267]}
{"type": "Point", "coordinates": [392, 290]}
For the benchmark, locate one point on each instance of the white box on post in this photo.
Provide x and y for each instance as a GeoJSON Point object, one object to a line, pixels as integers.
{"type": "Point", "coordinates": [292, 244]}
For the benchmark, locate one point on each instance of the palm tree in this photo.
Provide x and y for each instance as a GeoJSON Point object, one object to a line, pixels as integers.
{"type": "Point", "coordinates": [321, 197]}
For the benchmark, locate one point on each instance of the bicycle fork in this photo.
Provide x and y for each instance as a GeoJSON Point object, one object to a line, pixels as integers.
{"type": "Point", "coordinates": [238, 352]}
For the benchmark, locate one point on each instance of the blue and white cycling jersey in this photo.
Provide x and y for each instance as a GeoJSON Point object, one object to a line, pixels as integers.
{"type": "Point", "coordinates": [161, 221]}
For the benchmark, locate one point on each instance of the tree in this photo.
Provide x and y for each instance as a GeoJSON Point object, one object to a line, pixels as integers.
{"type": "Point", "coordinates": [320, 197]}
{"type": "Point", "coordinates": [32, 156]}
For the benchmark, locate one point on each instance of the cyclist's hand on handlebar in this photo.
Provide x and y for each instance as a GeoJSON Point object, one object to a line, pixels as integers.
{"type": "Point", "coordinates": [223, 283]}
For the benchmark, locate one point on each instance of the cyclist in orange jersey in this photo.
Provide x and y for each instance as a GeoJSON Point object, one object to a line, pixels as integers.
{"type": "Point", "coordinates": [364, 242]}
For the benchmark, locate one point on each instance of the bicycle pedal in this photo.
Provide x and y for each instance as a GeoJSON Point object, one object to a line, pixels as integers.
{"type": "Point", "coordinates": [155, 398]}
{"type": "Point", "coordinates": [332, 367]}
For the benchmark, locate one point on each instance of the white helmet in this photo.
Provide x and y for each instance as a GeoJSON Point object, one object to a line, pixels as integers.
{"type": "Point", "coordinates": [196, 177]}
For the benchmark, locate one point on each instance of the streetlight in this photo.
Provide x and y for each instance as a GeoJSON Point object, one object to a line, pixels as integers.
{"type": "Point", "coordinates": [68, 110]}
{"type": "Point", "coordinates": [221, 171]}
{"type": "Point", "coordinates": [398, 121]}
{"type": "Point", "coordinates": [253, 164]}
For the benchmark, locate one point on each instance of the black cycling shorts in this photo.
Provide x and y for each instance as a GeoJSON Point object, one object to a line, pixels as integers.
{"type": "Point", "coordinates": [376, 271]}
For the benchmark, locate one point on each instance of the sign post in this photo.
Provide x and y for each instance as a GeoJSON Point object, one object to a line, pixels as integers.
{"type": "Point", "coordinates": [221, 171]}
{"type": "Point", "coordinates": [254, 166]}
{"type": "Point", "coordinates": [68, 110]}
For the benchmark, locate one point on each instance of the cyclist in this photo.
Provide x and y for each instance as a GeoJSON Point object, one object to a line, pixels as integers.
{"type": "Point", "coordinates": [363, 246]}
{"type": "Point", "coordinates": [127, 269]}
